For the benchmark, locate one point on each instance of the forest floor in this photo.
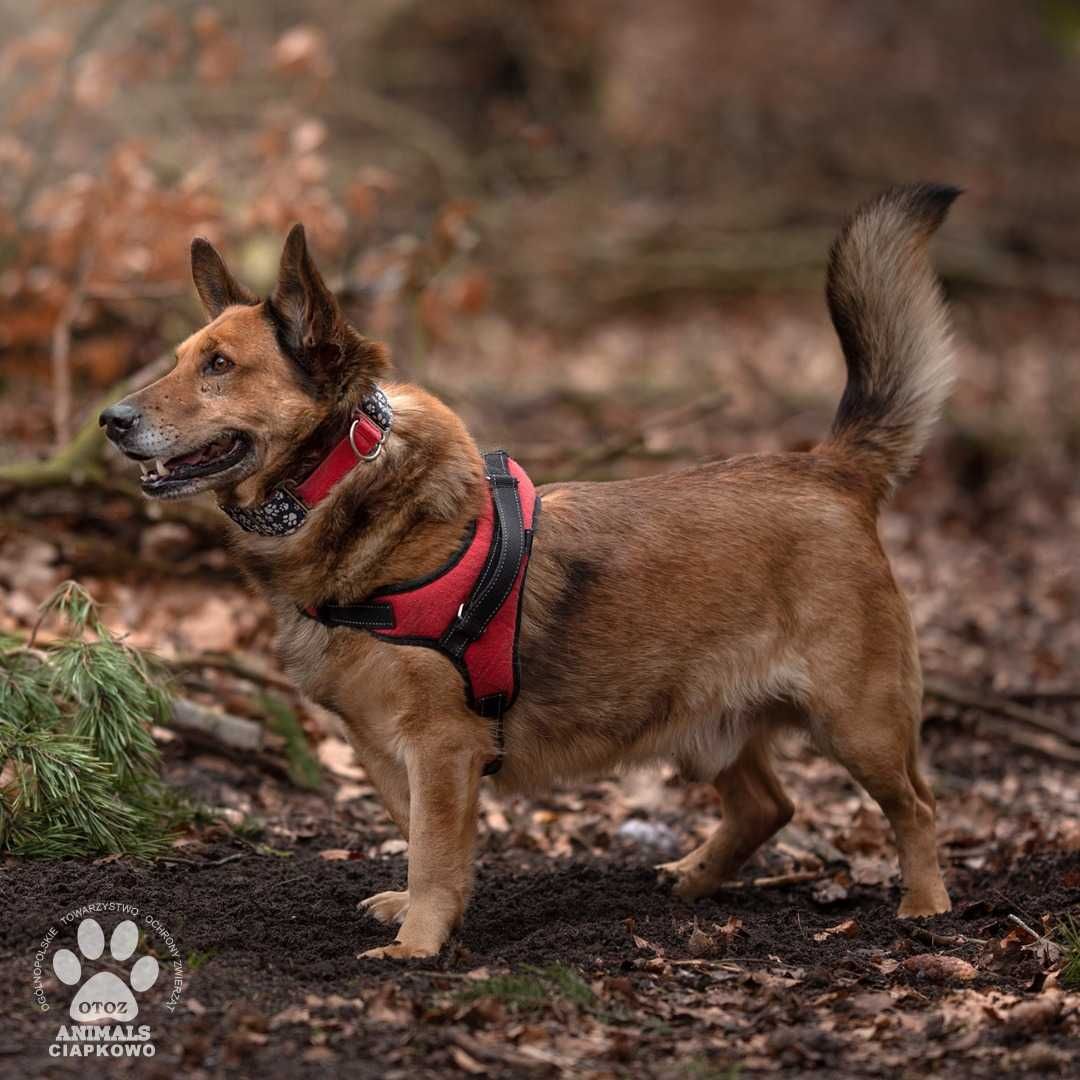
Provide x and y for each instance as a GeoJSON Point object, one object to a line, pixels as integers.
{"type": "Point", "coordinates": [573, 959]}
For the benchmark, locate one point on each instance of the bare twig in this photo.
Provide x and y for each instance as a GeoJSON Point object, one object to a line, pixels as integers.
{"type": "Point", "coordinates": [1035, 935]}
{"type": "Point", "coordinates": [49, 128]}
{"type": "Point", "coordinates": [626, 442]}
{"type": "Point", "coordinates": [1061, 693]}
{"type": "Point", "coordinates": [1047, 745]}
{"type": "Point", "coordinates": [947, 940]}
{"type": "Point", "coordinates": [203, 864]}
{"type": "Point", "coordinates": [79, 461]}
{"type": "Point", "coordinates": [796, 877]}
{"type": "Point", "coordinates": [61, 350]}
{"type": "Point", "coordinates": [946, 690]}
{"type": "Point", "coordinates": [234, 666]}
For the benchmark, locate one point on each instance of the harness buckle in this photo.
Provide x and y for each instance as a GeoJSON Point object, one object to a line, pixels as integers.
{"type": "Point", "coordinates": [376, 450]}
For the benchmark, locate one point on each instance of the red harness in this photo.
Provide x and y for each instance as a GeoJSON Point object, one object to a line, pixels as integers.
{"type": "Point", "coordinates": [468, 609]}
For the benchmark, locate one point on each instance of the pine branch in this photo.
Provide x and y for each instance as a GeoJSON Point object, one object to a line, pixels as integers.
{"type": "Point", "coordinates": [79, 770]}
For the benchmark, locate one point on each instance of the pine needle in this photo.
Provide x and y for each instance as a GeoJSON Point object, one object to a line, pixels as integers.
{"type": "Point", "coordinates": [79, 769]}
{"type": "Point", "coordinates": [1069, 932]}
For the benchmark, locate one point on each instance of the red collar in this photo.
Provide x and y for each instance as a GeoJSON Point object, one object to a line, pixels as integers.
{"type": "Point", "coordinates": [287, 506]}
{"type": "Point", "coordinates": [363, 443]}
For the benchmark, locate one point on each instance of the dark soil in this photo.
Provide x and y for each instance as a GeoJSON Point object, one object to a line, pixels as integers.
{"type": "Point", "coordinates": [267, 931]}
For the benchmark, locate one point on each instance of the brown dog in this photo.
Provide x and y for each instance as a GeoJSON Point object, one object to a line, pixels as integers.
{"type": "Point", "coordinates": [686, 617]}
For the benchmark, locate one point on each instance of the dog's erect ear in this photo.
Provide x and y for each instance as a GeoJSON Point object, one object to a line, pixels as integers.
{"type": "Point", "coordinates": [217, 288]}
{"type": "Point", "coordinates": [311, 327]}
{"type": "Point", "coordinates": [304, 307]}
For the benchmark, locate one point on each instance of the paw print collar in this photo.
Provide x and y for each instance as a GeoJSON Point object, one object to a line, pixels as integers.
{"type": "Point", "coordinates": [288, 505]}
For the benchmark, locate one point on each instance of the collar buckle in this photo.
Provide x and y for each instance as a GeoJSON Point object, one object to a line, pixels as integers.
{"type": "Point", "coordinates": [376, 448]}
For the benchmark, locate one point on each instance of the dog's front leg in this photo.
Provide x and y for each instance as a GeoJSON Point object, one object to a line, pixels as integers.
{"type": "Point", "coordinates": [443, 785]}
{"type": "Point", "coordinates": [391, 781]}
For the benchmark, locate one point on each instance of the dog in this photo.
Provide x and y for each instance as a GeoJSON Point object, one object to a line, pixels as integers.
{"type": "Point", "coordinates": [687, 617]}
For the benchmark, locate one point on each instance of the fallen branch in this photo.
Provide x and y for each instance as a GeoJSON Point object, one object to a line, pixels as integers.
{"type": "Point", "coordinates": [233, 666]}
{"type": "Point", "coordinates": [248, 742]}
{"type": "Point", "coordinates": [796, 877]}
{"type": "Point", "coordinates": [61, 349]}
{"type": "Point", "coordinates": [969, 697]}
{"type": "Point", "coordinates": [203, 864]}
{"type": "Point", "coordinates": [944, 940]}
{"type": "Point", "coordinates": [1061, 693]}
{"type": "Point", "coordinates": [1047, 745]}
{"type": "Point", "coordinates": [626, 442]}
{"type": "Point", "coordinates": [231, 731]}
{"type": "Point", "coordinates": [79, 462]}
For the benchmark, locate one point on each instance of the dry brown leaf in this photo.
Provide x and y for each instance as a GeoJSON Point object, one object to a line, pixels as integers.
{"type": "Point", "coordinates": [730, 929]}
{"type": "Point", "coordinates": [211, 627]}
{"type": "Point", "coordinates": [939, 969]}
{"type": "Point", "coordinates": [466, 1062]}
{"type": "Point", "coordinates": [848, 928]}
{"type": "Point", "coordinates": [294, 1014]}
{"type": "Point", "coordinates": [1035, 1015]}
{"type": "Point", "coordinates": [337, 755]}
{"type": "Point", "coordinates": [700, 944]}
{"type": "Point", "coordinates": [385, 1006]}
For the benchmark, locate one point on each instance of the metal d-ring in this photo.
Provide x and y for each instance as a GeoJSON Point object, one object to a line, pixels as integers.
{"type": "Point", "coordinates": [375, 451]}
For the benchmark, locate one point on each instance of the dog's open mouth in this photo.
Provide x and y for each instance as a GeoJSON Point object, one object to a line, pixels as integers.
{"type": "Point", "coordinates": [217, 456]}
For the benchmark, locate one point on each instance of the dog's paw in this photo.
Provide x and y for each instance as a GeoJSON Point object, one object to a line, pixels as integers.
{"type": "Point", "coordinates": [688, 877]}
{"type": "Point", "coordinates": [387, 907]}
{"type": "Point", "coordinates": [398, 950]}
{"type": "Point", "coordinates": [920, 906]}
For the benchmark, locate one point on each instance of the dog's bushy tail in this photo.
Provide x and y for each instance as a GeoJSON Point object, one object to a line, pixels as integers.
{"type": "Point", "coordinates": [890, 316]}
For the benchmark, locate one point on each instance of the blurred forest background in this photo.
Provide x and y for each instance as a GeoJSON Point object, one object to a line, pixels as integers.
{"type": "Point", "coordinates": [598, 230]}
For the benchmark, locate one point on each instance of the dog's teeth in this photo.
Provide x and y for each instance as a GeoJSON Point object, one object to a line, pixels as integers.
{"type": "Point", "coordinates": [162, 471]}
{"type": "Point", "coordinates": [144, 468]}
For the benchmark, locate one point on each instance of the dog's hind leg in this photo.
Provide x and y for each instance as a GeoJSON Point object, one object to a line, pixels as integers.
{"type": "Point", "coordinates": [878, 743]}
{"type": "Point", "coordinates": [753, 808]}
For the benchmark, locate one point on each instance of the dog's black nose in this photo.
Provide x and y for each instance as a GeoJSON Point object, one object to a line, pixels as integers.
{"type": "Point", "coordinates": [118, 420]}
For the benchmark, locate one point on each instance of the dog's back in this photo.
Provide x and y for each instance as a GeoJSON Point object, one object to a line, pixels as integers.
{"type": "Point", "coordinates": [757, 579]}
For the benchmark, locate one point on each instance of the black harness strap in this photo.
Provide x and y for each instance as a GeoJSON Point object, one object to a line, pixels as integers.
{"type": "Point", "coordinates": [374, 616]}
{"type": "Point", "coordinates": [502, 565]}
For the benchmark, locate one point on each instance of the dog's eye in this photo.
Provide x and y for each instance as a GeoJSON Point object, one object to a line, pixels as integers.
{"type": "Point", "coordinates": [217, 365]}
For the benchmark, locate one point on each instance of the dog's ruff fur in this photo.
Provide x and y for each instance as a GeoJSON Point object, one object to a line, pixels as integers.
{"type": "Point", "coordinates": [685, 617]}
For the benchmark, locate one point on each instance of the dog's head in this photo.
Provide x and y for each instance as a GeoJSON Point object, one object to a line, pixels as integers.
{"type": "Point", "coordinates": [264, 385]}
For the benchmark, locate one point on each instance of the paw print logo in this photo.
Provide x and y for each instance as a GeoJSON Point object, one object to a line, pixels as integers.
{"type": "Point", "coordinates": [105, 998]}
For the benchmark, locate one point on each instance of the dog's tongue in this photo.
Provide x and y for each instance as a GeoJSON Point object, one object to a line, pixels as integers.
{"type": "Point", "coordinates": [204, 453]}
{"type": "Point", "coordinates": [186, 459]}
